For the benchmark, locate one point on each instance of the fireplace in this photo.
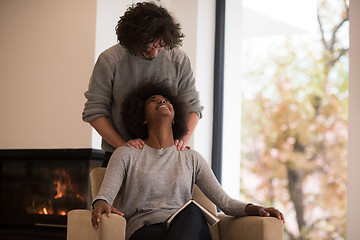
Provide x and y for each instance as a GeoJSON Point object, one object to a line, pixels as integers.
{"type": "Point", "coordinates": [38, 187]}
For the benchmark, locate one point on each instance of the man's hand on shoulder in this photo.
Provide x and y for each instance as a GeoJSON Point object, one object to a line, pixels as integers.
{"type": "Point", "coordinates": [136, 143]}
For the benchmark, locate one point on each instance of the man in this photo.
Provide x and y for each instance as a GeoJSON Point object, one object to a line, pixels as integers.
{"type": "Point", "coordinates": [148, 39]}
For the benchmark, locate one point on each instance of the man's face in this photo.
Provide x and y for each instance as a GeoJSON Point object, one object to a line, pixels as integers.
{"type": "Point", "coordinates": [152, 50]}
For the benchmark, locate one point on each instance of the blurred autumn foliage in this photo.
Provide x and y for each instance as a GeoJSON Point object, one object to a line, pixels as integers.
{"type": "Point", "coordinates": [294, 128]}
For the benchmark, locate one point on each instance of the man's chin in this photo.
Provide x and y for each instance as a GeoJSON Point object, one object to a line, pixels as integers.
{"type": "Point", "coordinates": [148, 58]}
{"type": "Point", "coordinates": [143, 56]}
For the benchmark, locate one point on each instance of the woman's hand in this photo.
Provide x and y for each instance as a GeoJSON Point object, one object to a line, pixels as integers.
{"type": "Point", "coordinates": [100, 207]}
{"type": "Point", "coordinates": [255, 210]}
{"type": "Point", "coordinates": [181, 145]}
{"type": "Point", "coordinates": [136, 143]}
{"type": "Point", "coordinates": [271, 212]}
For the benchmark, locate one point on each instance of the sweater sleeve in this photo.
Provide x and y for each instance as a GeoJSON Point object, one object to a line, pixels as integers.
{"type": "Point", "coordinates": [209, 185]}
{"type": "Point", "coordinates": [114, 175]}
{"type": "Point", "coordinates": [99, 93]}
{"type": "Point", "coordinates": [187, 86]}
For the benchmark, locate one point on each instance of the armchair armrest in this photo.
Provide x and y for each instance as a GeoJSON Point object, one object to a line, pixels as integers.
{"type": "Point", "coordinates": [79, 226]}
{"type": "Point", "coordinates": [250, 228]}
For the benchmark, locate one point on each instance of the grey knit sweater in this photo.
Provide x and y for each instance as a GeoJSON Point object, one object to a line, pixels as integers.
{"type": "Point", "coordinates": [156, 182]}
{"type": "Point", "coordinates": [116, 72]}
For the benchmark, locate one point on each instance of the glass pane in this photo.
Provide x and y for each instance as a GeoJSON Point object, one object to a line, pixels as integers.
{"type": "Point", "coordinates": [294, 112]}
{"type": "Point", "coordinates": [42, 191]}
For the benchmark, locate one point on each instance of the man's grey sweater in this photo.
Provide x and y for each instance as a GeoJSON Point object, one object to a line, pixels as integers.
{"type": "Point", "coordinates": [157, 182]}
{"type": "Point", "coordinates": [116, 72]}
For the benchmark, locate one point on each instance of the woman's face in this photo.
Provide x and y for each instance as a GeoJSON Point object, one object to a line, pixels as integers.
{"type": "Point", "coordinates": [158, 106]}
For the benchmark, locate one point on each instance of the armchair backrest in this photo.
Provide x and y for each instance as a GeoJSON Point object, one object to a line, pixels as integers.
{"type": "Point", "coordinates": [96, 178]}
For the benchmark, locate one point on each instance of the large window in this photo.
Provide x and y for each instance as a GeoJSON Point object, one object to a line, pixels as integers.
{"type": "Point", "coordinates": [289, 61]}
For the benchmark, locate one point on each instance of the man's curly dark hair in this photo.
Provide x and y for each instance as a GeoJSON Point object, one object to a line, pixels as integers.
{"type": "Point", "coordinates": [133, 109]}
{"type": "Point", "coordinates": [145, 23]}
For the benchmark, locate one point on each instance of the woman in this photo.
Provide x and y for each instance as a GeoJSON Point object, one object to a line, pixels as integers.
{"type": "Point", "coordinates": [158, 179]}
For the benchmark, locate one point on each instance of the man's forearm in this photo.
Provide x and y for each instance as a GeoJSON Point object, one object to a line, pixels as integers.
{"type": "Point", "coordinates": [192, 123]}
{"type": "Point", "coordinates": [107, 132]}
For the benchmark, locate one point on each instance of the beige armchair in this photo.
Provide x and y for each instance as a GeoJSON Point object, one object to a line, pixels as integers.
{"type": "Point", "coordinates": [229, 228]}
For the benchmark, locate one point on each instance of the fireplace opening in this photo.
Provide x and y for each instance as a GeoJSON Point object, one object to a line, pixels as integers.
{"type": "Point", "coordinates": [39, 187]}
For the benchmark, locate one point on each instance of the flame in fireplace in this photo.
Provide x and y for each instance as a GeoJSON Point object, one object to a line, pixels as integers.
{"type": "Point", "coordinates": [62, 181]}
{"type": "Point", "coordinates": [59, 193]}
{"type": "Point", "coordinates": [65, 191]}
{"type": "Point", "coordinates": [45, 211]}
{"type": "Point", "coordinates": [62, 213]}
{"type": "Point", "coordinates": [64, 185]}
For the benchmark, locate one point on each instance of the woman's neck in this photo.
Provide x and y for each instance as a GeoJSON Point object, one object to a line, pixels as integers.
{"type": "Point", "coordinates": [159, 137]}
